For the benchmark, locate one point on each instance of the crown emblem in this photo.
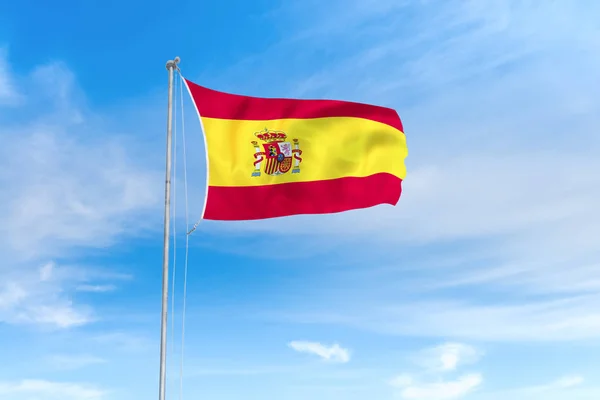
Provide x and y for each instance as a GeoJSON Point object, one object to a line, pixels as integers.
{"type": "Point", "coordinates": [271, 136]}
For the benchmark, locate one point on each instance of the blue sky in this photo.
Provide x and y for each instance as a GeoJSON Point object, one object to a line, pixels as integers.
{"type": "Point", "coordinates": [481, 284]}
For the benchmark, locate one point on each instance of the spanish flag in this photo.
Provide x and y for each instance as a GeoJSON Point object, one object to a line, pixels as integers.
{"type": "Point", "coordinates": [269, 157]}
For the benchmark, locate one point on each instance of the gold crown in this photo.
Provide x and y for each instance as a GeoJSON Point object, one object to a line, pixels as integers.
{"type": "Point", "coordinates": [271, 136]}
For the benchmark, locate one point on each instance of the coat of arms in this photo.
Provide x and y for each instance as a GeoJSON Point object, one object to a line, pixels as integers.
{"type": "Point", "coordinates": [277, 154]}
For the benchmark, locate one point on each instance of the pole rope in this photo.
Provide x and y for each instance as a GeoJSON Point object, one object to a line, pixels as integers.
{"type": "Point", "coordinates": [187, 238]}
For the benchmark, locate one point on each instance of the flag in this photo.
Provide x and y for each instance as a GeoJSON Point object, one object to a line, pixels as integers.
{"type": "Point", "coordinates": [270, 157]}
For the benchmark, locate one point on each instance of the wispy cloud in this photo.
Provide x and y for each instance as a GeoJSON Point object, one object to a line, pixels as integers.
{"type": "Point", "coordinates": [96, 288]}
{"type": "Point", "coordinates": [568, 381]}
{"type": "Point", "coordinates": [75, 185]}
{"type": "Point", "coordinates": [445, 390]}
{"type": "Point", "coordinates": [440, 375]}
{"type": "Point", "coordinates": [567, 319]}
{"type": "Point", "coordinates": [432, 382]}
{"type": "Point", "coordinates": [35, 297]}
{"type": "Point", "coordinates": [566, 387]}
{"type": "Point", "coordinates": [448, 357]}
{"type": "Point", "coordinates": [63, 189]}
{"type": "Point", "coordinates": [333, 353]}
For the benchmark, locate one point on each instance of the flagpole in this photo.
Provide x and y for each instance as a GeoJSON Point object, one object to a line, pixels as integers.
{"type": "Point", "coordinates": [171, 65]}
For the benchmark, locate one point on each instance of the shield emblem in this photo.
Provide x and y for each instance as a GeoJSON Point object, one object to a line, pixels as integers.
{"type": "Point", "coordinates": [278, 157]}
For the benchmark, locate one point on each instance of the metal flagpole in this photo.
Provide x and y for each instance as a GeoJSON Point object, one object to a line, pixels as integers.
{"type": "Point", "coordinates": [171, 65]}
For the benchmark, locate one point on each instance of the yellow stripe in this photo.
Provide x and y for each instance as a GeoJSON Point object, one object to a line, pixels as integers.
{"type": "Point", "coordinates": [331, 148]}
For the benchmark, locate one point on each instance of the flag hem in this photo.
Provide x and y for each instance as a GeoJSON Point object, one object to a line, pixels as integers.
{"type": "Point", "coordinates": [205, 144]}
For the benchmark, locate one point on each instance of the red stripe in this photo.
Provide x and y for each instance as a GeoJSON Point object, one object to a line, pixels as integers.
{"type": "Point", "coordinates": [317, 197]}
{"type": "Point", "coordinates": [270, 167]}
{"type": "Point", "coordinates": [214, 104]}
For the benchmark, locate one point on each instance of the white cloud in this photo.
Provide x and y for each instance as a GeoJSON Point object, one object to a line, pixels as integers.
{"type": "Point", "coordinates": [566, 319]}
{"type": "Point", "coordinates": [443, 390]}
{"type": "Point", "coordinates": [58, 315]}
{"type": "Point", "coordinates": [448, 357]}
{"type": "Point", "coordinates": [438, 361]}
{"type": "Point", "coordinates": [435, 382]}
{"type": "Point", "coordinates": [333, 353]}
{"type": "Point", "coordinates": [565, 382]}
{"type": "Point", "coordinates": [568, 381]}
{"type": "Point", "coordinates": [96, 288]}
{"type": "Point", "coordinates": [31, 296]}
{"type": "Point", "coordinates": [76, 185]}
{"type": "Point", "coordinates": [566, 387]}
{"type": "Point", "coordinates": [65, 185]}
{"type": "Point", "coordinates": [10, 294]}
{"type": "Point", "coordinates": [48, 390]}
{"type": "Point", "coordinates": [46, 271]}
{"type": "Point", "coordinates": [70, 194]}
